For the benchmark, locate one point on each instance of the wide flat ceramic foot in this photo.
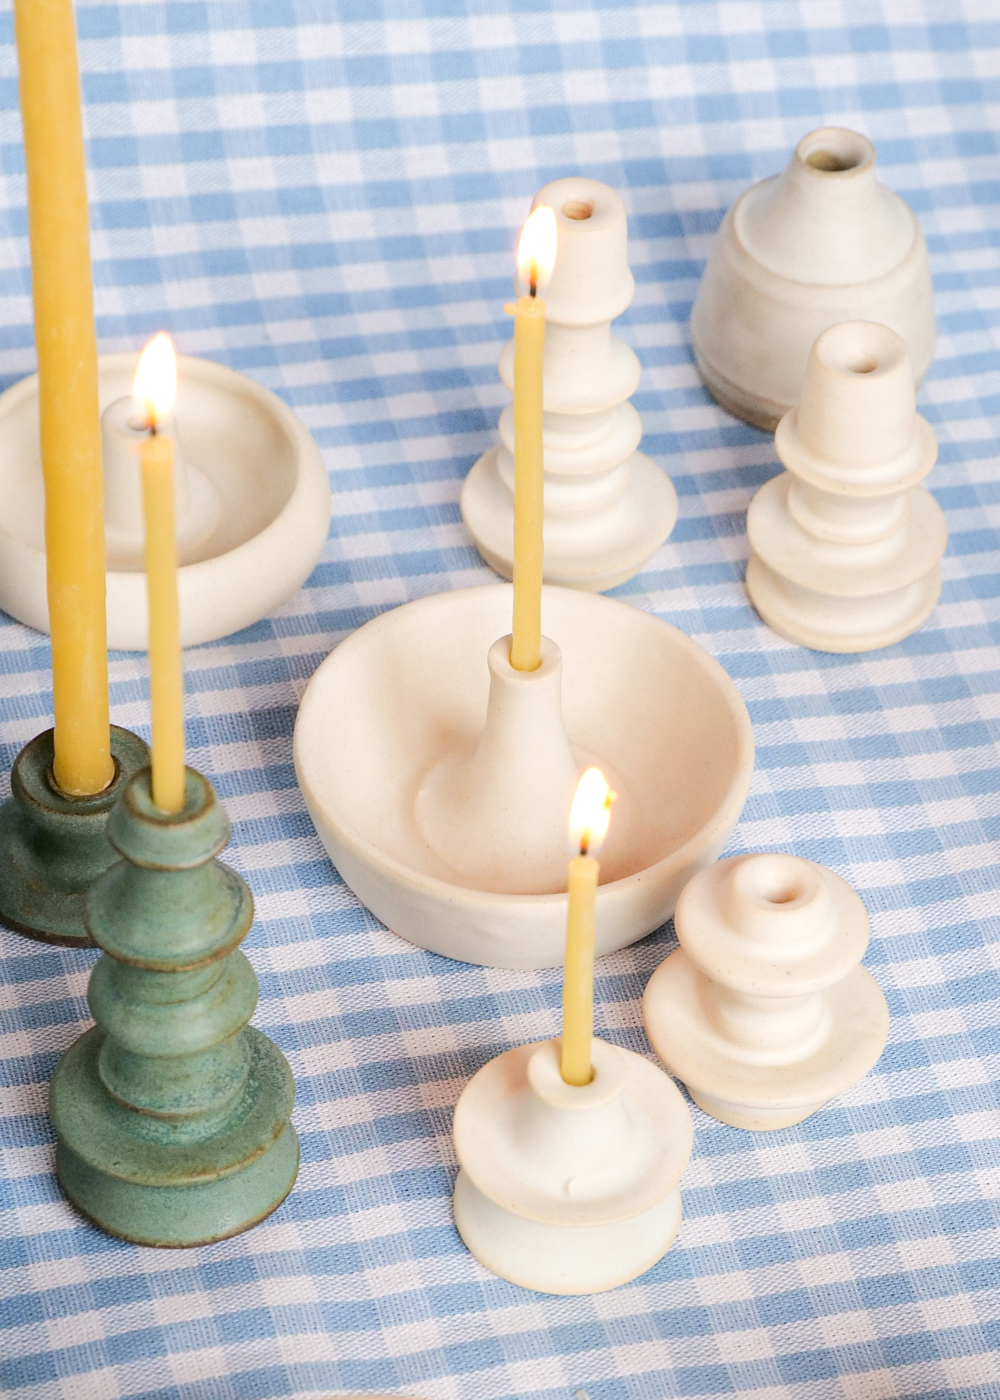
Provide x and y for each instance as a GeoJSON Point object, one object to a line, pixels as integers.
{"type": "Point", "coordinates": [763, 1012]}
{"type": "Point", "coordinates": [53, 847]}
{"type": "Point", "coordinates": [568, 1189]}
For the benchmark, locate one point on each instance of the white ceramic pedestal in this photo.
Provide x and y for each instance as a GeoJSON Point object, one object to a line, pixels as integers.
{"type": "Point", "coordinates": [568, 1189]}
{"type": "Point", "coordinates": [252, 454]}
{"type": "Point", "coordinates": [846, 542]}
{"type": "Point", "coordinates": [608, 507]}
{"type": "Point", "coordinates": [763, 1012]}
{"type": "Point", "coordinates": [822, 242]}
{"type": "Point", "coordinates": [392, 716]}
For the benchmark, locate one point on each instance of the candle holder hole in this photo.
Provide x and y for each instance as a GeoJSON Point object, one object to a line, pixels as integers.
{"type": "Point", "coordinates": [832, 161]}
{"type": "Point", "coordinates": [577, 209]}
{"type": "Point", "coordinates": [781, 894]}
{"type": "Point", "coordinates": [863, 366]}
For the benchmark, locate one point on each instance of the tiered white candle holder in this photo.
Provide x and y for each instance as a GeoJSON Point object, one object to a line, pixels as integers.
{"type": "Point", "coordinates": [608, 507]}
{"type": "Point", "coordinates": [253, 503]}
{"type": "Point", "coordinates": [764, 1012]}
{"type": "Point", "coordinates": [846, 542]}
{"type": "Point", "coordinates": [568, 1189]}
{"type": "Point", "coordinates": [440, 779]}
{"type": "Point", "coordinates": [822, 242]}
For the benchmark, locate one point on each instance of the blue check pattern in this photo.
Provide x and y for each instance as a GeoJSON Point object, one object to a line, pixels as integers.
{"type": "Point", "coordinates": [326, 197]}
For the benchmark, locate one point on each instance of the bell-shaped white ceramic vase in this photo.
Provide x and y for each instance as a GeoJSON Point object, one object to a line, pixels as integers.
{"type": "Point", "coordinates": [608, 507]}
{"type": "Point", "coordinates": [764, 1012]}
{"type": "Point", "coordinates": [846, 542]}
{"type": "Point", "coordinates": [820, 243]}
{"type": "Point", "coordinates": [568, 1189]}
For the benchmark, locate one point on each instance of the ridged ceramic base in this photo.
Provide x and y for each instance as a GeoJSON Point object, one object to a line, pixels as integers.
{"type": "Point", "coordinates": [53, 847]}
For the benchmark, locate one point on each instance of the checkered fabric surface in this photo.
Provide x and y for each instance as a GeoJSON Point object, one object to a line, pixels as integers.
{"type": "Point", "coordinates": [326, 197]}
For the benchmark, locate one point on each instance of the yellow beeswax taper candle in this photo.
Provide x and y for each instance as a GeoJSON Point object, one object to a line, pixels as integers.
{"type": "Point", "coordinates": [588, 826]}
{"type": "Point", "coordinates": [536, 255]}
{"type": "Point", "coordinates": [69, 422]}
{"type": "Point", "coordinates": [153, 393]}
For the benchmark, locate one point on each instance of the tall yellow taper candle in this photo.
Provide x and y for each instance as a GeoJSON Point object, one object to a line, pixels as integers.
{"type": "Point", "coordinates": [535, 258]}
{"type": "Point", "coordinates": [155, 384]}
{"type": "Point", "coordinates": [58, 230]}
{"type": "Point", "coordinates": [588, 825]}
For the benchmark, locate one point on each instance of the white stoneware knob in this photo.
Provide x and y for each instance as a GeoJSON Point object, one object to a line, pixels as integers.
{"type": "Point", "coordinates": [608, 507]}
{"type": "Point", "coordinates": [764, 1012]}
{"type": "Point", "coordinates": [845, 543]}
{"type": "Point", "coordinates": [820, 243]}
{"type": "Point", "coordinates": [567, 1189]}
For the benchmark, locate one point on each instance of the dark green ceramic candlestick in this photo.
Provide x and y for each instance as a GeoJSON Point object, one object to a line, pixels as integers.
{"type": "Point", "coordinates": [173, 1113]}
{"type": "Point", "coordinates": [53, 847]}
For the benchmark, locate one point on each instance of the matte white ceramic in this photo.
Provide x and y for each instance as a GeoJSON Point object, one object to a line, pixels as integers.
{"type": "Point", "coordinates": [250, 454]}
{"type": "Point", "coordinates": [608, 507]}
{"type": "Point", "coordinates": [567, 1189]}
{"type": "Point", "coordinates": [820, 243]}
{"type": "Point", "coordinates": [845, 543]}
{"type": "Point", "coordinates": [764, 1012]}
{"type": "Point", "coordinates": [408, 694]}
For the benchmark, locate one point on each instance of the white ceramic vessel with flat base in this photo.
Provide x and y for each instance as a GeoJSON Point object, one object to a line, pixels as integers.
{"type": "Point", "coordinates": [608, 507]}
{"type": "Point", "coordinates": [820, 243]}
{"type": "Point", "coordinates": [567, 1189]}
{"type": "Point", "coordinates": [845, 543]}
{"type": "Point", "coordinates": [440, 779]}
{"type": "Point", "coordinates": [764, 1012]}
{"type": "Point", "coordinates": [253, 503]}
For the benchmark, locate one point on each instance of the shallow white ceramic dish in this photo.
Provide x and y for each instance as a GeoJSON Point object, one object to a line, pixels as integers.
{"type": "Point", "coordinates": [272, 487]}
{"type": "Point", "coordinates": [411, 687]}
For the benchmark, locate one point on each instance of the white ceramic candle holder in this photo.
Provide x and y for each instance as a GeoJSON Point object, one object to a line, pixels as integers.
{"type": "Point", "coordinates": [568, 1189]}
{"type": "Point", "coordinates": [846, 542]}
{"type": "Point", "coordinates": [440, 780]}
{"type": "Point", "coordinates": [608, 507]}
{"type": "Point", "coordinates": [253, 503]}
{"type": "Point", "coordinates": [822, 242]}
{"type": "Point", "coordinates": [764, 1012]}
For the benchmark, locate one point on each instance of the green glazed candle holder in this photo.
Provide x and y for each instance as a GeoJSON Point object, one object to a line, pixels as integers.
{"type": "Point", "coordinates": [172, 1113]}
{"type": "Point", "coordinates": [53, 847]}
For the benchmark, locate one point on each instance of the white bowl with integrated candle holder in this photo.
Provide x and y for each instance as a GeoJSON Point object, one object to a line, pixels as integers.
{"type": "Point", "coordinates": [567, 1188]}
{"type": "Point", "coordinates": [417, 718]}
{"type": "Point", "coordinates": [253, 503]}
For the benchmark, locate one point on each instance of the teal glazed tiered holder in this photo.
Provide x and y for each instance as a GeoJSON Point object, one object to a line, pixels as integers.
{"type": "Point", "coordinates": [52, 847]}
{"type": "Point", "coordinates": [172, 1113]}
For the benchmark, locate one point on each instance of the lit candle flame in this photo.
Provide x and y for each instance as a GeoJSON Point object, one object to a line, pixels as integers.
{"type": "Point", "coordinates": [591, 813]}
{"type": "Point", "coordinates": [536, 252]}
{"type": "Point", "coordinates": [155, 385]}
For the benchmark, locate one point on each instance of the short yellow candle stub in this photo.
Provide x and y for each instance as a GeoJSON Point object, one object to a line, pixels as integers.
{"type": "Point", "coordinates": [166, 679]}
{"type": "Point", "coordinates": [578, 979]}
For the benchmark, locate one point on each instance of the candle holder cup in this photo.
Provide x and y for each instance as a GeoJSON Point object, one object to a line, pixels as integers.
{"type": "Point", "coordinates": [53, 847]}
{"type": "Point", "coordinates": [172, 1113]}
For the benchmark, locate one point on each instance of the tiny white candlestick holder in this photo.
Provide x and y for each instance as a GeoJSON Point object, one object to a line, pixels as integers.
{"type": "Point", "coordinates": [570, 1189]}
{"type": "Point", "coordinates": [820, 243]}
{"type": "Point", "coordinates": [253, 503]}
{"type": "Point", "coordinates": [440, 780]}
{"type": "Point", "coordinates": [764, 1012]}
{"type": "Point", "coordinates": [608, 507]}
{"type": "Point", "coordinates": [845, 543]}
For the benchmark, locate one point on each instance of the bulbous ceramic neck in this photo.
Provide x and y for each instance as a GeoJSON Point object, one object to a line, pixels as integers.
{"type": "Point", "coordinates": [825, 219]}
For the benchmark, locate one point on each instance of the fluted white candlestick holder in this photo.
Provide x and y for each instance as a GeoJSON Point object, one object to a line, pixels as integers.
{"type": "Point", "coordinates": [764, 1012]}
{"type": "Point", "coordinates": [846, 542]}
{"type": "Point", "coordinates": [253, 503]}
{"type": "Point", "coordinates": [440, 779]}
{"type": "Point", "coordinates": [608, 507]}
{"type": "Point", "coordinates": [570, 1189]}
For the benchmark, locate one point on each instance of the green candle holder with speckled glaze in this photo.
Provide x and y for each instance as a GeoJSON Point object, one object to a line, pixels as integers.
{"type": "Point", "coordinates": [173, 1115]}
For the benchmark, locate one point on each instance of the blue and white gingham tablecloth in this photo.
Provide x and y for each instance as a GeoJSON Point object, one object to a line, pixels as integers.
{"type": "Point", "coordinates": [325, 195]}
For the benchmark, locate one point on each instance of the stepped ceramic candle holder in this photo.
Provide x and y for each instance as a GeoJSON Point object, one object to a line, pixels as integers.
{"type": "Point", "coordinates": [172, 1113]}
{"type": "Point", "coordinates": [568, 1189]}
{"type": "Point", "coordinates": [846, 542]}
{"type": "Point", "coordinates": [822, 242]}
{"type": "Point", "coordinates": [440, 779]}
{"type": "Point", "coordinates": [764, 1012]}
{"type": "Point", "coordinates": [608, 507]}
{"type": "Point", "coordinates": [53, 847]}
{"type": "Point", "coordinates": [253, 503]}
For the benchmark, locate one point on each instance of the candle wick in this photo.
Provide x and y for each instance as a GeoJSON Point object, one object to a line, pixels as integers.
{"type": "Point", "coordinates": [533, 281]}
{"type": "Point", "coordinates": [584, 844]}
